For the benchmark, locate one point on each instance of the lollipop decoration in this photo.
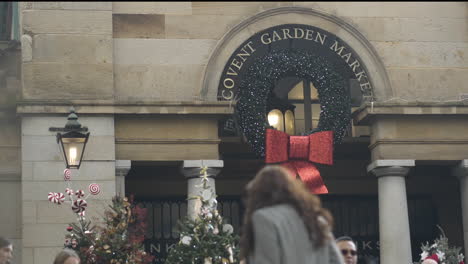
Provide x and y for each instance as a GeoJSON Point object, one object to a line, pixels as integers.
{"type": "Point", "coordinates": [79, 193]}
{"type": "Point", "coordinates": [79, 206]}
{"type": "Point", "coordinates": [60, 198]}
{"type": "Point", "coordinates": [69, 191]}
{"type": "Point", "coordinates": [94, 189]}
{"type": "Point", "coordinates": [52, 197]}
{"type": "Point", "coordinates": [67, 174]}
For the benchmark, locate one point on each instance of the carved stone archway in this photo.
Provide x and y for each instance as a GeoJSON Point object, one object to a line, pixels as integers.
{"type": "Point", "coordinates": [277, 16]}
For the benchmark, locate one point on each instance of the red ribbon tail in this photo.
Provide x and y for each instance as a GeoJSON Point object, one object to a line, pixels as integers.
{"type": "Point", "coordinates": [311, 177]}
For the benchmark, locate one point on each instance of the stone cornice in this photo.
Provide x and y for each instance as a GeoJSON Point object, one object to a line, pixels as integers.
{"type": "Point", "coordinates": [117, 108]}
{"type": "Point", "coordinates": [368, 112]}
{"type": "Point", "coordinates": [166, 141]}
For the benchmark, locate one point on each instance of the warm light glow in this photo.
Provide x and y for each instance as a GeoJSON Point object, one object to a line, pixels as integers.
{"type": "Point", "coordinates": [72, 155]}
{"type": "Point", "coordinates": [275, 119]}
{"type": "Point", "coordinates": [289, 122]}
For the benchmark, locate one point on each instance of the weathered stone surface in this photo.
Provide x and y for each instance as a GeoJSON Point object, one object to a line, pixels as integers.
{"type": "Point", "coordinates": [29, 212]}
{"type": "Point", "coordinates": [234, 8]}
{"type": "Point", "coordinates": [10, 194]}
{"type": "Point", "coordinates": [428, 84]}
{"type": "Point", "coordinates": [411, 29]}
{"type": "Point", "coordinates": [199, 26]}
{"type": "Point", "coordinates": [157, 82]}
{"type": "Point", "coordinates": [49, 213]}
{"type": "Point", "coordinates": [39, 125]}
{"type": "Point", "coordinates": [138, 26]}
{"type": "Point", "coordinates": [26, 171]}
{"type": "Point", "coordinates": [92, 49]}
{"type": "Point", "coordinates": [26, 48]}
{"type": "Point", "coordinates": [35, 235]}
{"type": "Point", "coordinates": [73, 5]}
{"type": "Point", "coordinates": [180, 8]}
{"type": "Point", "coordinates": [67, 81]}
{"type": "Point", "coordinates": [162, 51]}
{"type": "Point", "coordinates": [423, 54]}
{"type": "Point", "coordinates": [166, 152]}
{"type": "Point", "coordinates": [67, 22]}
{"type": "Point", "coordinates": [390, 9]}
{"type": "Point", "coordinates": [89, 170]}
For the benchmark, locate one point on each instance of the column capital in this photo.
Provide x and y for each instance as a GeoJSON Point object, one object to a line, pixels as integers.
{"type": "Point", "coordinates": [461, 169]}
{"type": "Point", "coordinates": [382, 168]}
{"type": "Point", "coordinates": [122, 167]}
{"type": "Point", "coordinates": [191, 168]}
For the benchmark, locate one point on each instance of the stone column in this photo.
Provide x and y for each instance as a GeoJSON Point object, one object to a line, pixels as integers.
{"type": "Point", "coordinates": [461, 172]}
{"type": "Point", "coordinates": [122, 167]}
{"type": "Point", "coordinates": [394, 232]}
{"type": "Point", "coordinates": [191, 170]}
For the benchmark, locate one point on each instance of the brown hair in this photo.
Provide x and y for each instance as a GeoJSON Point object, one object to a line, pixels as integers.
{"type": "Point", "coordinates": [63, 255]}
{"type": "Point", "coordinates": [276, 185]}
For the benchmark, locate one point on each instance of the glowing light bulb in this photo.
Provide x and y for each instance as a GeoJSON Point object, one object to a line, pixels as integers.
{"type": "Point", "coordinates": [72, 155]}
{"type": "Point", "coordinates": [273, 120]}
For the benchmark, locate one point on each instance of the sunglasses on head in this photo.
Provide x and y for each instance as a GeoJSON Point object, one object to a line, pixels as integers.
{"type": "Point", "coordinates": [346, 251]}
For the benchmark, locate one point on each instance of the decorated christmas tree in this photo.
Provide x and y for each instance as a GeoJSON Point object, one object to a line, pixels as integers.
{"type": "Point", "coordinates": [206, 239]}
{"type": "Point", "coordinates": [440, 252]}
{"type": "Point", "coordinates": [119, 240]}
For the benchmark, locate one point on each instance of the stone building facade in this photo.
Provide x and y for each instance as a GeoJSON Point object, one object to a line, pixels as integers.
{"type": "Point", "coordinates": [144, 77]}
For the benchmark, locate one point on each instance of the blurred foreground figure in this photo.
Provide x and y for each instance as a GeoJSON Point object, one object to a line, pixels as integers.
{"type": "Point", "coordinates": [285, 223]}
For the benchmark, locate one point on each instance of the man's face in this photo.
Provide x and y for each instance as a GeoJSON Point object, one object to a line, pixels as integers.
{"type": "Point", "coordinates": [72, 260]}
{"type": "Point", "coordinates": [6, 254]}
{"type": "Point", "coordinates": [348, 249]}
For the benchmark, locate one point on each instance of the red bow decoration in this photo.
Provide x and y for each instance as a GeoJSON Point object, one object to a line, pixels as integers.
{"type": "Point", "coordinates": [297, 152]}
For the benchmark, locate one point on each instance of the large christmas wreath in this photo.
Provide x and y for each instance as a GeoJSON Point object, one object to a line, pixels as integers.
{"type": "Point", "coordinates": [259, 81]}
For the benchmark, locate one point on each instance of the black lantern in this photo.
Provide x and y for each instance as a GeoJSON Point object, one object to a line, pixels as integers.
{"type": "Point", "coordinates": [72, 140]}
{"type": "Point", "coordinates": [281, 115]}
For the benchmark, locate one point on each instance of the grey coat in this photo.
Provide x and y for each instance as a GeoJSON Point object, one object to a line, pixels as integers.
{"type": "Point", "coordinates": [281, 237]}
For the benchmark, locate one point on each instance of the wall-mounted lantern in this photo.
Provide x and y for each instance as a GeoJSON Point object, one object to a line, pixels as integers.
{"type": "Point", "coordinates": [72, 139]}
{"type": "Point", "coordinates": [281, 115]}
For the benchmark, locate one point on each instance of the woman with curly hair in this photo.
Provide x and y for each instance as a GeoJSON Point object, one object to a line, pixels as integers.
{"type": "Point", "coordinates": [284, 223]}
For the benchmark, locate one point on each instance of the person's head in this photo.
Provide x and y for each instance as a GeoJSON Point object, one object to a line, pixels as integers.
{"type": "Point", "coordinates": [276, 185]}
{"type": "Point", "coordinates": [348, 249]}
{"type": "Point", "coordinates": [67, 256]}
{"type": "Point", "coordinates": [6, 251]}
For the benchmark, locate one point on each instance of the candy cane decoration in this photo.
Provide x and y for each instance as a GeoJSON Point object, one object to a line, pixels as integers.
{"type": "Point", "coordinates": [67, 174]}
{"type": "Point", "coordinates": [94, 189]}
{"type": "Point", "coordinates": [79, 206]}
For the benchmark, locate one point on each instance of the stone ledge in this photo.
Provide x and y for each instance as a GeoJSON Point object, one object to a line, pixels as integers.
{"type": "Point", "coordinates": [367, 112]}
{"type": "Point", "coordinates": [110, 107]}
{"type": "Point", "coordinates": [390, 163]}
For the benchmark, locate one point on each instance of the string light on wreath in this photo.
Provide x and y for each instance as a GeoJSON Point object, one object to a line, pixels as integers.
{"type": "Point", "coordinates": [260, 79]}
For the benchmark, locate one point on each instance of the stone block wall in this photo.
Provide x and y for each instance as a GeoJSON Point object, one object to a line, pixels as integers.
{"type": "Point", "coordinates": [70, 51]}
{"type": "Point", "coordinates": [43, 223]}
{"type": "Point", "coordinates": [422, 45]}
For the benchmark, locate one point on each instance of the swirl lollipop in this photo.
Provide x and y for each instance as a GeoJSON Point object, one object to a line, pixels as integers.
{"type": "Point", "coordinates": [79, 206]}
{"type": "Point", "coordinates": [69, 191]}
{"type": "Point", "coordinates": [52, 197]}
{"type": "Point", "coordinates": [94, 189]}
{"type": "Point", "coordinates": [60, 198]}
{"type": "Point", "coordinates": [67, 174]}
{"type": "Point", "coordinates": [79, 193]}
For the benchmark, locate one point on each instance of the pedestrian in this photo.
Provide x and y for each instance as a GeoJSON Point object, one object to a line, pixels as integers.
{"type": "Point", "coordinates": [6, 251]}
{"type": "Point", "coordinates": [348, 249]}
{"type": "Point", "coordinates": [285, 223]}
{"type": "Point", "coordinates": [67, 256]}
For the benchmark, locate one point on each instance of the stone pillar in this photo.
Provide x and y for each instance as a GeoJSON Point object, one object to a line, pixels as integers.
{"type": "Point", "coordinates": [394, 232]}
{"type": "Point", "coordinates": [191, 170]}
{"type": "Point", "coordinates": [461, 172]}
{"type": "Point", "coordinates": [122, 167]}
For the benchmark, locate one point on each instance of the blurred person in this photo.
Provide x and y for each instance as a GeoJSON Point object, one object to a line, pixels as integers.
{"type": "Point", "coordinates": [285, 223]}
{"type": "Point", "coordinates": [67, 256]}
{"type": "Point", "coordinates": [6, 251]}
{"type": "Point", "coordinates": [348, 249]}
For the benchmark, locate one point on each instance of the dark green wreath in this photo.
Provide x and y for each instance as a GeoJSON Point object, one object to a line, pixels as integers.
{"type": "Point", "coordinates": [259, 81]}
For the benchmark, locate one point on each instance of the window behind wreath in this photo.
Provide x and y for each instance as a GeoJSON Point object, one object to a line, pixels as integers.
{"type": "Point", "coordinates": [9, 28]}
